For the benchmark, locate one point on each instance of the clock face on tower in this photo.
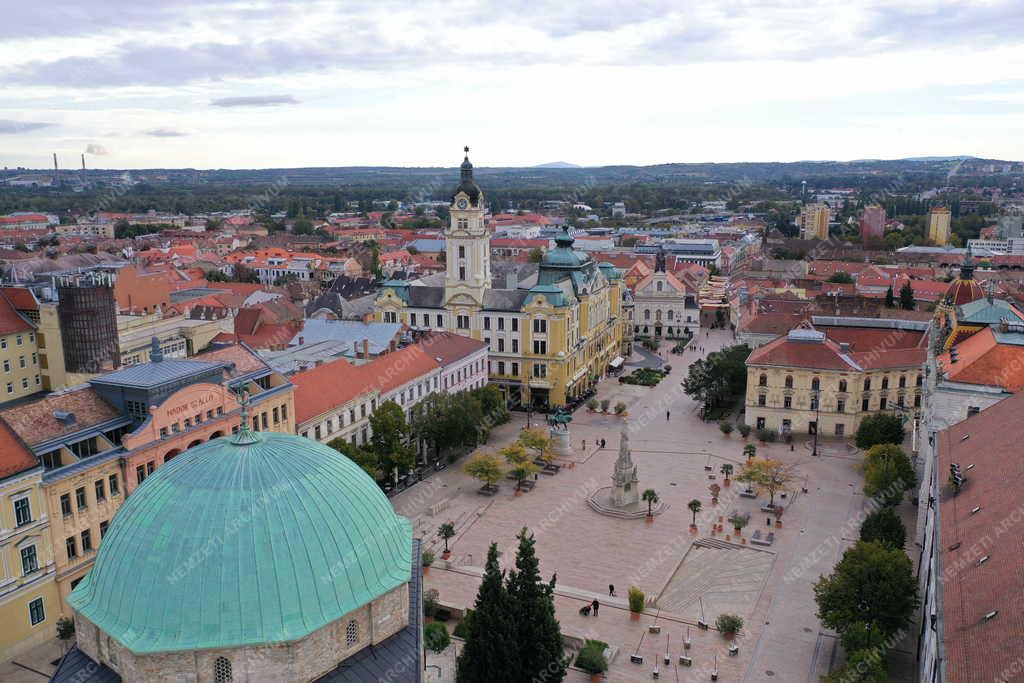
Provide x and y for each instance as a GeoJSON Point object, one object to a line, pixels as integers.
{"type": "Point", "coordinates": [462, 203]}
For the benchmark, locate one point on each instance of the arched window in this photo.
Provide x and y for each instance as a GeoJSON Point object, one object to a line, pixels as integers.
{"type": "Point", "coordinates": [842, 385]}
{"type": "Point", "coordinates": [815, 384]}
{"type": "Point", "coordinates": [903, 381]}
{"type": "Point", "coordinates": [670, 315]}
{"type": "Point", "coordinates": [789, 381]}
{"type": "Point", "coordinates": [222, 670]}
{"type": "Point", "coordinates": [647, 314]}
{"type": "Point", "coordinates": [352, 633]}
{"type": "Point", "coordinates": [658, 286]}
{"type": "Point", "coordinates": [763, 381]}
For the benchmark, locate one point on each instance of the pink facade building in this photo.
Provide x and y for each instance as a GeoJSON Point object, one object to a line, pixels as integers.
{"type": "Point", "coordinates": [872, 224]}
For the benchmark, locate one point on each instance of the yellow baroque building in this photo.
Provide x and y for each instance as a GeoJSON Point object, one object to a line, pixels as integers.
{"type": "Point", "coordinates": [29, 600]}
{"type": "Point", "coordinates": [551, 334]}
{"type": "Point", "coordinates": [827, 379]}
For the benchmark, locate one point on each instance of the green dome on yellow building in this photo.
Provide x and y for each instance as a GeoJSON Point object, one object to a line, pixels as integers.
{"type": "Point", "coordinates": [246, 540]}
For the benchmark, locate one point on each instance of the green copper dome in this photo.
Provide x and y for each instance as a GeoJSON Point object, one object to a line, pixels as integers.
{"type": "Point", "coordinates": [260, 538]}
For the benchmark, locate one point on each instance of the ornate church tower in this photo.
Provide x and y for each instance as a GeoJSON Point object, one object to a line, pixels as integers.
{"type": "Point", "coordinates": [625, 481]}
{"type": "Point", "coordinates": [468, 248]}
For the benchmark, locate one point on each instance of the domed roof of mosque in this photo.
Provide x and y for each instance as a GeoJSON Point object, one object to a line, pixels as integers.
{"type": "Point", "coordinates": [255, 538]}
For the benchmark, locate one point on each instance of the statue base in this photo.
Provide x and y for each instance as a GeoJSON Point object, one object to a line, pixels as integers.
{"type": "Point", "coordinates": [560, 442]}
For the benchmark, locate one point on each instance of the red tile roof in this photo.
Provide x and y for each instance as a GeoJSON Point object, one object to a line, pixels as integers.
{"type": "Point", "coordinates": [15, 457]}
{"type": "Point", "coordinates": [823, 354]}
{"type": "Point", "coordinates": [336, 383]}
{"type": "Point", "coordinates": [34, 422]}
{"type": "Point", "coordinates": [21, 297]}
{"type": "Point", "coordinates": [447, 348]}
{"type": "Point", "coordinates": [329, 386]}
{"type": "Point", "coordinates": [11, 322]}
{"type": "Point", "coordinates": [982, 360]}
{"type": "Point", "coordinates": [980, 651]}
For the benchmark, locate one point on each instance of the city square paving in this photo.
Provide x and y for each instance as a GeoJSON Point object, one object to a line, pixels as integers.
{"type": "Point", "coordinates": [771, 588]}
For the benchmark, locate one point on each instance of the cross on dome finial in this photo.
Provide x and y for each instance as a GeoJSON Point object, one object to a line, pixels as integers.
{"type": "Point", "coordinates": [245, 435]}
{"type": "Point", "coordinates": [466, 148]}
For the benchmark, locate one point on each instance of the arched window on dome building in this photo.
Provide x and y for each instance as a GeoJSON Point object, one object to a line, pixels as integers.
{"type": "Point", "coordinates": [222, 670]}
{"type": "Point", "coordinates": [352, 633]}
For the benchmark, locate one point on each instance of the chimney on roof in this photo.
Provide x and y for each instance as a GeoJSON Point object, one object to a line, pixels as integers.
{"type": "Point", "coordinates": [511, 279]}
{"type": "Point", "coordinates": [844, 347]}
{"type": "Point", "coordinates": [302, 340]}
{"type": "Point", "coordinates": [366, 349]}
{"type": "Point", "coordinates": [355, 349]}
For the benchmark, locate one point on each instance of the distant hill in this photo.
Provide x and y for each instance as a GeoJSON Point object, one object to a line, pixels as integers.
{"type": "Point", "coordinates": [558, 164]}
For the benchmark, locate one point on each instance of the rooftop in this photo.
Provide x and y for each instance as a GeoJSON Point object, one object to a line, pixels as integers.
{"type": "Point", "coordinates": [979, 649]}
{"type": "Point", "coordinates": [311, 513]}
{"type": "Point", "coordinates": [37, 421]}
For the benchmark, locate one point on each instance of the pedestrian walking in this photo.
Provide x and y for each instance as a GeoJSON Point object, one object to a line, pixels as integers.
{"type": "Point", "coordinates": [611, 589]}
{"type": "Point", "coordinates": [667, 415]}
{"type": "Point", "coordinates": [594, 606]}
{"type": "Point", "coordinates": [584, 444]}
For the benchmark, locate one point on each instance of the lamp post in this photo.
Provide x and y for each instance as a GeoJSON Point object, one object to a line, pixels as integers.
{"type": "Point", "coordinates": [817, 421]}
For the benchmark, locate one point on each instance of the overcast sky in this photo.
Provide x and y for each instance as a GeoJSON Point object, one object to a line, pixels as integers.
{"type": "Point", "coordinates": [264, 83]}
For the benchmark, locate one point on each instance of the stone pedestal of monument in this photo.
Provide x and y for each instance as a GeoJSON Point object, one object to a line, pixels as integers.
{"type": "Point", "coordinates": [560, 442]}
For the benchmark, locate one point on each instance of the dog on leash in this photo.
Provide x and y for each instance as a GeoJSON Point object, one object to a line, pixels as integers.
{"type": "Point", "coordinates": [585, 610]}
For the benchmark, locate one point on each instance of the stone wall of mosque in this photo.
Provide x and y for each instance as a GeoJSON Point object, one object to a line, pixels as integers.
{"type": "Point", "coordinates": [288, 660]}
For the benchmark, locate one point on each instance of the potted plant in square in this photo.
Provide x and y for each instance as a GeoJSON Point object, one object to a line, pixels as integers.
{"type": "Point", "coordinates": [444, 532]}
{"type": "Point", "coordinates": [695, 507]}
{"type": "Point", "coordinates": [715, 489]}
{"type": "Point", "coordinates": [729, 625]}
{"type": "Point", "coordinates": [726, 471]}
{"type": "Point", "coordinates": [636, 600]}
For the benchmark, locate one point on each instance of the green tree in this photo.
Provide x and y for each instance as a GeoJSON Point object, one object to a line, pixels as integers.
{"type": "Point", "coordinates": [888, 473]}
{"type": "Point", "coordinates": [907, 302]}
{"type": "Point", "coordinates": [765, 474]}
{"type": "Point", "coordinates": [486, 467]}
{"type": "Point", "coordinates": [650, 496]}
{"type": "Point", "coordinates": [871, 584]}
{"type": "Point", "coordinates": [435, 637]}
{"type": "Point", "coordinates": [879, 428]}
{"type": "Point", "coordinates": [720, 377]}
{"type": "Point", "coordinates": [520, 464]}
{"type": "Point", "coordinates": [890, 299]}
{"type": "Point", "coordinates": [390, 439]}
{"type": "Point", "coordinates": [539, 637]}
{"type": "Point", "coordinates": [538, 442]}
{"type": "Point", "coordinates": [490, 654]}
{"type": "Point", "coordinates": [367, 459]}
{"type": "Point", "coordinates": [536, 255]}
{"type": "Point", "coordinates": [884, 525]}
{"type": "Point", "coordinates": [841, 277]}
{"type": "Point", "coordinates": [861, 666]}
{"type": "Point", "coordinates": [302, 226]}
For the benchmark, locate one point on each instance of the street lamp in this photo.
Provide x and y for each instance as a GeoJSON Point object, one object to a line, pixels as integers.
{"type": "Point", "coordinates": [817, 421]}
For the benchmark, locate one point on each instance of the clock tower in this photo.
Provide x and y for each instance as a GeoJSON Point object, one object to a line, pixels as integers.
{"type": "Point", "coordinates": [468, 247]}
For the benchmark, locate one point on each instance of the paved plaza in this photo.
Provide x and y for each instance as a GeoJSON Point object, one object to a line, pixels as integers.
{"type": "Point", "coordinates": [770, 587]}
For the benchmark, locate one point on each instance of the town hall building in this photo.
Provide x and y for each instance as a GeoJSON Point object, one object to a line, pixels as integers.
{"type": "Point", "coordinates": [551, 334]}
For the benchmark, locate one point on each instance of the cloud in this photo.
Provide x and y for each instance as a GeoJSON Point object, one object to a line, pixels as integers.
{"type": "Point", "coordinates": [8, 127]}
{"type": "Point", "coordinates": [96, 150]}
{"type": "Point", "coordinates": [165, 133]}
{"type": "Point", "coordinates": [254, 101]}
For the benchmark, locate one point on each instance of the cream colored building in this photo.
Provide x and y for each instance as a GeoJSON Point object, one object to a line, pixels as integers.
{"type": "Point", "coordinates": [806, 382]}
{"type": "Point", "coordinates": [105, 230]}
{"type": "Point", "coordinates": [939, 226]}
{"type": "Point", "coordinates": [19, 355]}
{"type": "Point", "coordinates": [814, 222]}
